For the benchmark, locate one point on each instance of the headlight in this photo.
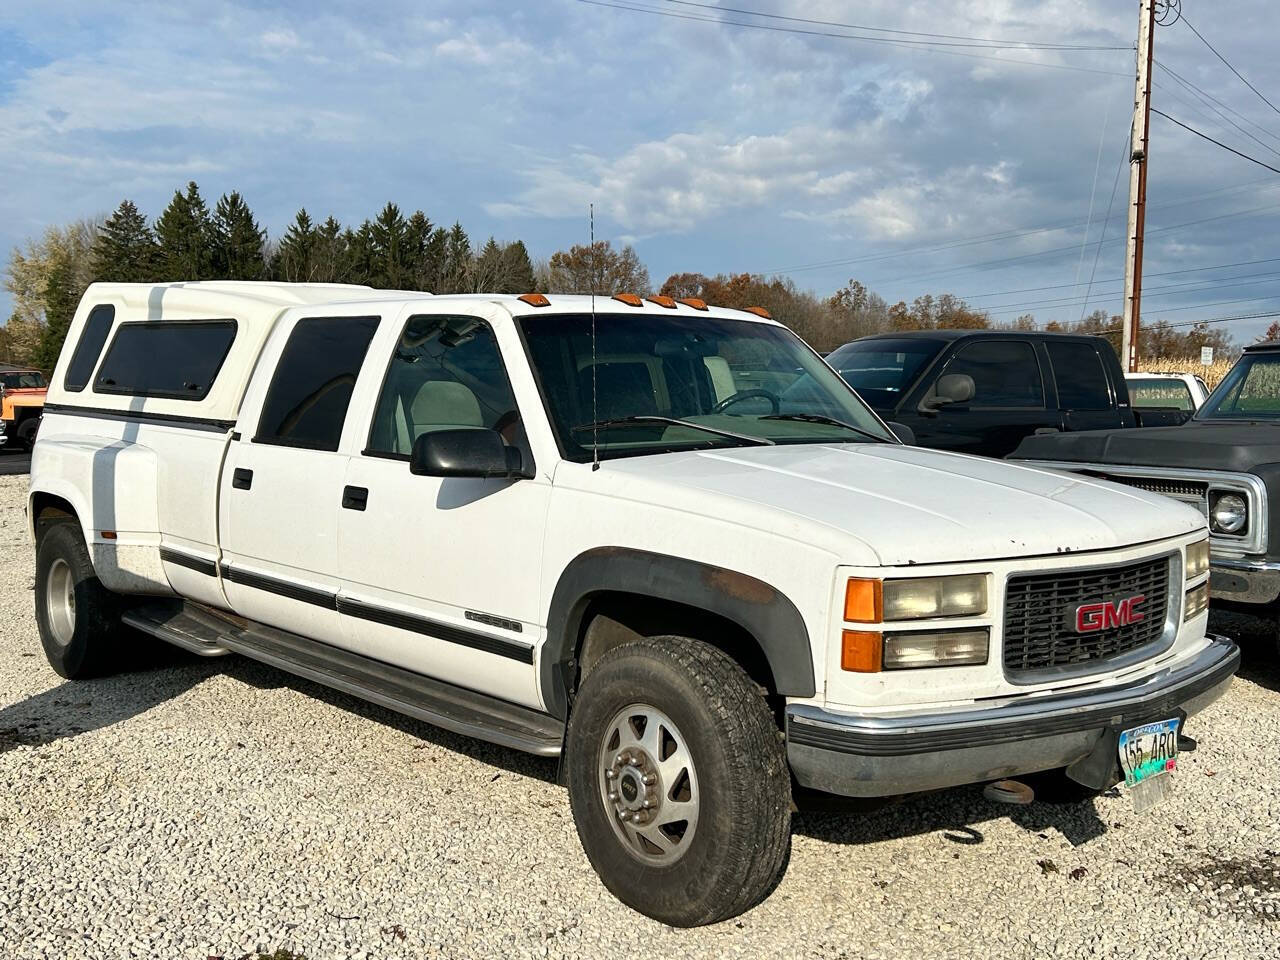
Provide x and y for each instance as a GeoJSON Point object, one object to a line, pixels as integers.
{"type": "Point", "coordinates": [1198, 559]}
{"type": "Point", "coordinates": [876, 601]}
{"type": "Point", "coordinates": [1228, 513]}
{"type": "Point", "coordinates": [867, 652]}
{"type": "Point", "coordinates": [1197, 602]}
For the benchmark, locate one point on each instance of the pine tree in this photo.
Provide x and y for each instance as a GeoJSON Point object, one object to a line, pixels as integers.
{"type": "Point", "coordinates": [435, 261]}
{"type": "Point", "coordinates": [359, 259]}
{"type": "Point", "coordinates": [294, 258]}
{"type": "Point", "coordinates": [125, 249]}
{"type": "Point", "coordinates": [457, 261]}
{"type": "Point", "coordinates": [237, 241]}
{"type": "Point", "coordinates": [60, 296]}
{"type": "Point", "coordinates": [417, 243]}
{"type": "Point", "coordinates": [517, 269]}
{"type": "Point", "coordinates": [388, 249]}
{"type": "Point", "coordinates": [185, 235]}
{"type": "Point", "coordinates": [486, 274]}
{"type": "Point", "coordinates": [332, 258]}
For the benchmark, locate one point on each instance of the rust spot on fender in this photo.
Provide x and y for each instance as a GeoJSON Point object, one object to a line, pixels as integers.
{"type": "Point", "coordinates": [740, 587]}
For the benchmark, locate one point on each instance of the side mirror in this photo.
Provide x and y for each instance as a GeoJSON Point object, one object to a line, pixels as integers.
{"type": "Point", "coordinates": [464, 453]}
{"type": "Point", "coordinates": [950, 388]}
{"type": "Point", "coordinates": [904, 433]}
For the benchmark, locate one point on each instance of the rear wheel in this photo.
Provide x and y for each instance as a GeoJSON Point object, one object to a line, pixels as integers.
{"type": "Point", "coordinates": [678, 781]}
{"type": "Point", "coordinates": [77, 616]}
{"type": "Point", "coordinates": [26, 432]}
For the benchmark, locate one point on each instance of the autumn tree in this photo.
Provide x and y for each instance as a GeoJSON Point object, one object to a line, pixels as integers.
{"type": "Point", "coordinates": [66, 251]}
{"type": "Point", "coordinates": [598, 269]}
{"type": "Point", "coordinates": [1272, 333]}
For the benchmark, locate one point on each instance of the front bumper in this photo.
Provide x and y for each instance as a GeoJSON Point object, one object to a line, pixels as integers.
{"type": "Point", "coordinates": [1244, 581]}
{"type": "Point", "coordinates": [871, 756]}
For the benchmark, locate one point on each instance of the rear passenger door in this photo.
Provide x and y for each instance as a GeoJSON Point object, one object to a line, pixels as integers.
{"type": "Point", "coordinates": [1008, 400]}
{"type": "Point", "coordinates": [441, 575]}
{"type": "Point", "coordinates": [282, 484]}
{"type": "Point", "coordinates": [1085, 392]}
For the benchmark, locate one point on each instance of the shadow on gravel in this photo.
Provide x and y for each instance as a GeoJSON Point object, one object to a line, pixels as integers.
{"type": "Point", "coordinates": [75, 707]}
{"type": "Point", "coordinates": [513, 761]}
{"type": "Point", "coordinates": [957, 813]}
{"type": "Point", "coordinates": [1256, 637]}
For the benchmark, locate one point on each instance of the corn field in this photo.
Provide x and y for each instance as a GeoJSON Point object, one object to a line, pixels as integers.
{"type": "Point", "coordinates": [1211, 374]}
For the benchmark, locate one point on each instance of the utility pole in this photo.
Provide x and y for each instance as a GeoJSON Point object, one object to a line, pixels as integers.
{"type": "Point", "coordinates": [1138, 184]}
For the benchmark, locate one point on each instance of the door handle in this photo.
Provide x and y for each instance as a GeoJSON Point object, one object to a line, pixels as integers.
{"type": "Point", "coordinates": [355, 498]}
{"type": "Point", "coordinates": [242, 479]}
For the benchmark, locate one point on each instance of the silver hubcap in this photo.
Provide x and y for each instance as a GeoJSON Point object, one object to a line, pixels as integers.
{"type": "Point", "coordinates": [60, 601]}
{"type": "Point", "coordinates": [648, 784]}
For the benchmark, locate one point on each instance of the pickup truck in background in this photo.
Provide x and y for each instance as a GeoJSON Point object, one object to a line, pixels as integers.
{"type": "Point", "coordinates": [22, 394]}
{"type": "Point", "coordinates": [583, 528]}
{"type": "Point", "coordinates": [1184, 392]}
{"type": "Point", "coordinates": [1225, 462]}
{"type": "Point", "coordinates": [983, 391]}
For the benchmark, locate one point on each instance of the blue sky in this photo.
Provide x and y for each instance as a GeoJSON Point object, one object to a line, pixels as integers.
{"type": "Point", "coordinates": [711, 147]}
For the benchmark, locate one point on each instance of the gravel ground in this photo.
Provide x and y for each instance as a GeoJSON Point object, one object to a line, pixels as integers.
{"type": "Point", "coordinates": [222, 809]}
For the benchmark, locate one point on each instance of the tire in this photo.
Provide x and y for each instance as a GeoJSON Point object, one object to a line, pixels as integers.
{"type": "Point", "coordinates": [77, 616]}
{"type": "Point", "coordinates": [699, 727]}
{"type": "Point", "coordinates": [26, 433]}
{"type": "Point", "coordinates": [1055, 788]}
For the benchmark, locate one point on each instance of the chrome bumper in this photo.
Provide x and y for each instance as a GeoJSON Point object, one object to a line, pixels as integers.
{"type": "Point", "coordinates": [1244, 581]}
{"type": "Point", "coordinates": [861, 756]}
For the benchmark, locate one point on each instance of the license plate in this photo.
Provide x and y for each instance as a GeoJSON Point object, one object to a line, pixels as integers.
{"type": "Point", "coordinates": [1147, 755]}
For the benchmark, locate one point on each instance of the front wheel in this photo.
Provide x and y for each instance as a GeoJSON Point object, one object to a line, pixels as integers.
{"type": "Point", "coordinates": [678, 781]}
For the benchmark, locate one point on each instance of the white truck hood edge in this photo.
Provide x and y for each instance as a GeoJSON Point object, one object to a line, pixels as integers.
{"type": "Point", "coordinates": [910, 505]}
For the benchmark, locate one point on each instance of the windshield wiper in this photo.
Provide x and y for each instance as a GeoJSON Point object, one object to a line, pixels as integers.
{"type": "Point", "coordinates": [829, 421]}
{"type": "Point", "coordinates": [647, 419]}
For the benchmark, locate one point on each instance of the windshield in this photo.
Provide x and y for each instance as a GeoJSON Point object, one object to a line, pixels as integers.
{"type": "Point", "coordinates": [22, 379]}
{"type": "Point", "coordinates": [883, 370]}
{"type": "Point", "coordinates": [1147, 393]}
{"type": "Point", "coordinates": [1250, 391]}
{"type": "Point", "coordinates": [656, 384]}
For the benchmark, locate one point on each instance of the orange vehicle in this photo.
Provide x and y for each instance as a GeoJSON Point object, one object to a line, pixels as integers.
{"type": "Point", "coordinates": [22, 392]}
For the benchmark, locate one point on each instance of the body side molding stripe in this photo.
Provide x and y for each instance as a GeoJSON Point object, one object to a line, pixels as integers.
{"type": "Point", "coordinates": [281, 588]}
{"type": "Point", "coordinates": [440, 631]}
{"type": "Point", "coordinates": [192, 562]}
{"type": "Point", "coordinates": [141, 416]}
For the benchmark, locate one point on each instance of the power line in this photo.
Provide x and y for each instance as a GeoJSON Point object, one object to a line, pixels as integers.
{"type": "Point", "coordinates": [1046, 45]}
{"type": "Point", "coordinates": [1097, 254]}
{"type": "Point", "coordinates": [930, 47]}
{"type": "Point", "coordinates": [1166, 273]}
{"type": "Point", "coordinates": [1219, 118]}
{"type": "Point", "coordinates": [1219, 143]}
{"type": "Point", "coordinates": [1230, 67]}
{"type": "Point", "coordinates": [1218, 106]}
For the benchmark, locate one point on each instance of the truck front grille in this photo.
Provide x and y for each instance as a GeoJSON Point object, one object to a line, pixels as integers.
{"type": "Point", "coordinates": [1041, 616]}
{"type": "Point", "coordinates": [1192, 491]}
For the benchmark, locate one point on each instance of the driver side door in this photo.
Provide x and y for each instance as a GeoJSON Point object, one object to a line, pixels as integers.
{"type": "Point", "coordinates": [440, 575]}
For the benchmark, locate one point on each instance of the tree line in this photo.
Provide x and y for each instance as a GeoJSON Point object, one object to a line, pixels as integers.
{"type": "Point", "coordinates": [393, 251]}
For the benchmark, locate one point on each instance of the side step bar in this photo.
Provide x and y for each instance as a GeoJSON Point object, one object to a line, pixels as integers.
{"type": "Point", "coordinates": [207, 632]}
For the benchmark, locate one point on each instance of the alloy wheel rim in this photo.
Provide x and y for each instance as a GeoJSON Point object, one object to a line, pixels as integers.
{"type": "Point", "coordinates": [648, 785]}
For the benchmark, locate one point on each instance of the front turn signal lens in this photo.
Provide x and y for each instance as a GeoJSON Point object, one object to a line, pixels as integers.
{"type": "Point", "coordinates": [861, 651]}
{"type": "Point", "coordinates": [864, 601]}
{"type": "Point", "coordinates": [1198, 559]}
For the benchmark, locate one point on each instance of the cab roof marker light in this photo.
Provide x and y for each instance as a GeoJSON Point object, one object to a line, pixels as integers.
{"type": "Point", "coordinates": [759, 312]}
{"type": "Point", "coordinates": [693, 302]}
{"type": "Point", "coordinates": [630, 299]}
{"type": "Point", "coordinates": [534, 299]}
{"type": "Point", "coordinates": [660, 300]}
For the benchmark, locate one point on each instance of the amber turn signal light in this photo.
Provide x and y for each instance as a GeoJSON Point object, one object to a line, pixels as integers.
{"type": "Point", "coordinates": [864, 601]}
{"type": "Point", "coordinates": [861, 651]}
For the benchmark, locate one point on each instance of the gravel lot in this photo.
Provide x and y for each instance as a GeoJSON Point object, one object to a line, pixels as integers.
{"type": "Point", "coordinates": [221, 809]}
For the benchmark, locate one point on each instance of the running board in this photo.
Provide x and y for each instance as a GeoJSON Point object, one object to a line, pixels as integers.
{"type": "Point", "coordinates": [211, 633]}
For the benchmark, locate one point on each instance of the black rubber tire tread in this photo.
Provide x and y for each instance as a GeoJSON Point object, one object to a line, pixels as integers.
{"type": "Point", "coordinates": [738, 855]}
{"type": "Point", "coordinates": [94, 643]}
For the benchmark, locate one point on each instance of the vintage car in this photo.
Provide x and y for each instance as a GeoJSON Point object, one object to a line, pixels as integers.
{"type": "Point", "coordinates": [22, 392]}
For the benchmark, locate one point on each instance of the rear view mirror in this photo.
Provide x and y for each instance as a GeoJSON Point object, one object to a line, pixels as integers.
{"type": "Point", "coordinates": [950, 388]}
{"type": "Point", "coordinates": [464, 453]}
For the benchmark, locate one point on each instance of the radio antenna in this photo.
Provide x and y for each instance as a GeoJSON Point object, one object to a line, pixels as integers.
{"type": "Point", "coordinates": [595, 396]}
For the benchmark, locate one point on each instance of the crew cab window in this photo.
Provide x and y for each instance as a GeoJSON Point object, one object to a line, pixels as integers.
{"type": "Point", "coordinates": [446, 374]}
{"type": "Point", "coordinates": [1081, 377]}
{"type": "Point", "coordinates": [307, 401]}
{"type": "Point", "coordinates": [177, 359]}
{"type": "Point", "coordinates": [1145, 394]}
{"type": "Point", "coordinates": [89, 349]}
{"type": "Point", "coordinates": [1005, 373]}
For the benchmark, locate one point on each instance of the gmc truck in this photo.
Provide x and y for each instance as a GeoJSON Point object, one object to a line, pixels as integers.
{"type": "Point", "coordinates": [581, 527]}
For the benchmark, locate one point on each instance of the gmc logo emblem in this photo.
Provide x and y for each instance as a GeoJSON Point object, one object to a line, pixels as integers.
{"type": "Point", "coordinates": [1108, 614]}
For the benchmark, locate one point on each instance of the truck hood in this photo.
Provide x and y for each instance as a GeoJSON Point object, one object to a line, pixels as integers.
{"type": "Point", "coordinates": [906, 505]}
{"type": "Point", "coordinates": [1234, 445]}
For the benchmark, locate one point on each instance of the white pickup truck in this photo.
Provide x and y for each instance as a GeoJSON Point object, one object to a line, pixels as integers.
{"type": "Point", "coordinates": [663, 542]}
